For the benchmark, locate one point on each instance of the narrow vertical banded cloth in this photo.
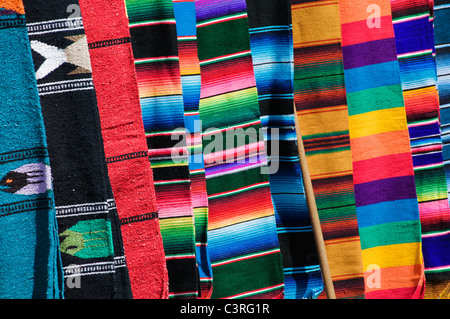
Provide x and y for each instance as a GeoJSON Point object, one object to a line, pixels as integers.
{"type": "Point", "coordinates": [30, 262]}
{"type": "Point", "coordinates": [386, 200]}
{"type": "Point", "coordinates": [414, 41]}
{"type": "Point", "coordinates": [321, 105]}
{"type": "Point", "coordinates": [131, 177]}
{"type": "Point", "coordinates": [272, 54]}
{"type": "Point", "coordinates": [242, 238]}
{"type": "Point", "coordinates": [154, 40]}
{"type": "Point", "coordinates": [80, 177]}
{"type": "Point", "coordinates": [442, 51]}
{"type": "Point", "coordinates": [184, 11]}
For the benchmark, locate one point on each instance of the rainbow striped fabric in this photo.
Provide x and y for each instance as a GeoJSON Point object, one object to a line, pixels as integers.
{"type": "Point", "coordinates": [441, 237]}
{"type": "Point", "coordinates": [191, 82]}
{"type": "Point", "coordinates": [320, 100]}
{"type": "Point", "coordinates": [154, 39]}
{"type": "Point", "coordinates": [272, 53]}
{"type": "Point", "coordinates": [415, 51]}
{"type": "Point", "coordinates": [242, 238]}
{"type": "Point", "coordinates": [386, 200]}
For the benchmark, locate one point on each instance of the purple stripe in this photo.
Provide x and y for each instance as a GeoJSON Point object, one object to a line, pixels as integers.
{"type": "Point", "coordinates": [230, 167]}
{"type": "Point", "coordinates": [385, 190]}
{"type": "Point", "coordinates": [210, 9]}
{"type": "Point", "coordinates": [367, 53]}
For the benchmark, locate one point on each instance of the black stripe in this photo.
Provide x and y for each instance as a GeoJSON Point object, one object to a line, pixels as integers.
{"type": "Point", "coordinates": [125, 157]}
{"type": "Point", "coordinates": [107, 43]}
{"type": "Point", "coordinates": [138, 218]}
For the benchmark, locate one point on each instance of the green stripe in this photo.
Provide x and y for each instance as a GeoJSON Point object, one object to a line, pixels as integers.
{"type": "Point", "coordinates": [144, 10]}
{"type": "Point", "coordinates": [390, 234]}
{"type": "Point", "coordinates": [310, 71]}
{"type": "Point", "coordinates": [201, 223]}
{"type": "Point", "coordinates": [381, 98]}
{"type": "Point", "coordinates": [231, 279]}
{"type": "Point", "coordinates": [228, 37]}
{"type": "Point", "coordinates": [322, 84]}
{"type": "Point", "coordinates": [229, 109]}
{"type": "Point", "coordinates": [430, 184]}
{"type": "Point", "coordinates": [178, 235]}
{"type": "Point", "coordinates": [229, 182]}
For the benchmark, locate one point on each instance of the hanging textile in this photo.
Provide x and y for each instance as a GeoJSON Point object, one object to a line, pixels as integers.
{"type": "Point", "coordinates": [320, 100]}
{"type": "Point", "coordinates": [439, 237]}
{"type": "Point", "coordinates": [386, 200]}
{"type": "Point", "coordinates": [30, 262]}
{"type": "Point", "coordinates": [126, 152]}
{"type": "Point", "coordinates": [184, 11]}
{"type": "Point", "coordinates": [242, 239]}
{"type": "Point", "coordinates": [415, 52]}
{"type": "Point", "coordinates": [154, 41]}
{"type": "Point", "coordinates": [272, 54]}
{"type": "Point", "coordinates": [91, 250]}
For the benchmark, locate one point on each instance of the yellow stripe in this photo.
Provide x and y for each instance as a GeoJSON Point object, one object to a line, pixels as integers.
{"type": "Point", "coordinates": [320, 164]}
{"type": "Point", "coordinates": [393, 255]}
{"type": "Point", "coordinates": [316, 23]}
{"type": "Point", "coordinates": [323, 122]}
{"type": "Point", "coordinates": [339, 255]}
{"type": "Point", "coordinates": [375, 122]}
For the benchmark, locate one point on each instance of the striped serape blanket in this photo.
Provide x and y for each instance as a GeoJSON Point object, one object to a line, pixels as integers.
{"type": "Point", "coordinates": [415, 51]}
{"type": "Point", "coordinates": [440, 237]}
{"type": "Point", "coordinates": [191, 83]}
{"type": "Point", "coordinates": [320, 100]}
{"type": "Point", "coordinates": [272, 53]}
{"type": "Point", "coordinates": [242, 238]}
{"type": "Point", "coordinates": [386, 200]}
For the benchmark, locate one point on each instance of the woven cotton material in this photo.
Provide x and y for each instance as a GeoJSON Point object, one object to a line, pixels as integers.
{"type": "Point", "coordinates": [320, 100]}
{"type": "Point", "coordinates": [81, 188]}
{"type": "Point", "coordinates": [386, 200]}
{"type": "Point", "coordinates": [272, 54]}
{"type": "Point", "coordinates": [440, 238]}
{"type": "Point", "coordinates": [126, 151]}
{"type": "Point", "coordinates": [30, 262]}
{"type": "Point", "coordinates": [184, 11]}
{"type": "Point", "coordinates": [242, 238]}
{"type": "Point", "coordinates": [154, 41]}
{"type": "Point", "coordinates": [415, 51]}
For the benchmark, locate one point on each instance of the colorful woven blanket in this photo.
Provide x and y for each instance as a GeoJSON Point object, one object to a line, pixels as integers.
{"type": "Point", "coordinates": [30, 262]}
{"type": "Point", "coordinates": [320, 100]}
{"type": "Point", "coordinates": [154, 41]}
{"type": "Point", "coordinates": [386, 200]}
{"type": "Point", "coordinates": [91, 252]}
{"type": "Point", "coordinates": [184, 11]}
{"type": "Point", "coordinates": [440, 236]}
{"type": "Point", "coordinates": [272, 54]}
{"type": "Point", "coordinates": [242, 238]}
{"type": "Point", "coordinates": [126, 152]}
{"type": "Point", "coordinates": [415, 51]}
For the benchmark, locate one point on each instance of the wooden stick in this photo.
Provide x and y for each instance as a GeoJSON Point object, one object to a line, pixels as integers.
{"type": "Point", "coordinates": [315, 221]}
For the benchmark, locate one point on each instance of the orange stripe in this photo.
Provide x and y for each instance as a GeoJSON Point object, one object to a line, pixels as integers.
{"type": "Point", "coordinates": [389, 143]}
{"type": "Point", "coordinates": [352, 11]}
